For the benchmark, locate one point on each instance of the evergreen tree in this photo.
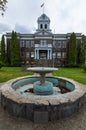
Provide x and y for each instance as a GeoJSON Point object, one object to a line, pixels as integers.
{"type": "Point", "coordinates": [83, 51]}
{"type": "Point", "coordinates": [15, 55]}
{"type": "Point", "coordinates": [72, 50]}
{"type": "Point", "coordinates": [3, 51]}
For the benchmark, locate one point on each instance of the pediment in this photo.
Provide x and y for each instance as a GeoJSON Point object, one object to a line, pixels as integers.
{"type": "Point", "coordinates": [43, 32]}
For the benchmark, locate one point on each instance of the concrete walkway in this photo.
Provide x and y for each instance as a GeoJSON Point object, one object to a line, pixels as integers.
{"type": "Point", "coordinates": [75, 122]}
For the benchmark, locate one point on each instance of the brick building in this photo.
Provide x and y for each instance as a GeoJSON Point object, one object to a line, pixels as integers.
{"type": "Point", "coordinates": [43, 48]}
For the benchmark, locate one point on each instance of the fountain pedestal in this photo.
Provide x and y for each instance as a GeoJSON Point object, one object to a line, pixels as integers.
{"type": "Point", "coordinates": [42, 78]}
{"type": "Point", "coordinates": [45, 89]}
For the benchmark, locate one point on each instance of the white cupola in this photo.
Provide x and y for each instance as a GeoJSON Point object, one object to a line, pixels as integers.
{"type": "Point", "coordinates": [43, 23]}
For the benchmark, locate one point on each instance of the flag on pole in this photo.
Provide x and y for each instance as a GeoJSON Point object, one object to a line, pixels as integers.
{"type": "Point", "coordinates": [42, 5]}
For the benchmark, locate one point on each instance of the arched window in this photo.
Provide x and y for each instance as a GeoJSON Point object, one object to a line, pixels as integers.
{"type": "Point", "coordinates": [41, 26]}
{"type": "Point", "coordinates": [45, 26]}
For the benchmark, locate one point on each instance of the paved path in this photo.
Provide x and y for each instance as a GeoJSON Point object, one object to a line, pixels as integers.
{"type": "Point", "coordinates": [75, 122]}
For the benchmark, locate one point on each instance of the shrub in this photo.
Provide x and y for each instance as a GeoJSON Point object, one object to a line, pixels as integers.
{"type": "Point", "coordinates": [70, 65]}
{"type": "Point", "coordinates": [1, 64]}
{"type": "Point", "coordinates": [84, 67]}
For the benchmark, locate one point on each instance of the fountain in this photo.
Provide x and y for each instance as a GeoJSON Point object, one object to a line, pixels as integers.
{"type": "Point", "coordinates": [42, 87]}
{"type": "Point", "coordinates": [42, 99]}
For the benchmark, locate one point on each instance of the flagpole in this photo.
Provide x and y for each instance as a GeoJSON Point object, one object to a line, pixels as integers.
{"type": "Point", "coordinates": [42, 6]}
{"type": "Point", "coordinates": [43, 9]}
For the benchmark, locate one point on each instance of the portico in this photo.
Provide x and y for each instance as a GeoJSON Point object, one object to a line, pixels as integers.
{"type": "Point", "coordinates": [43, 53]}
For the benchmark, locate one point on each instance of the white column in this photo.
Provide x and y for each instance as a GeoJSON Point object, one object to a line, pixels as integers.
{"type": "Point", "coordinates": [38, 54]}
{"type": "Point", "coordinates": [35, 53]}
{"type": "Point", "coordinates": [48, 54]}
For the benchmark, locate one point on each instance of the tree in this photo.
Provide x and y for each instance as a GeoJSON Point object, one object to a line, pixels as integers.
{"type": "Point", "coordinates": [3, 6]}
{"type": "Point", "coordinates": [83, 51]}
{"type": "Point", "coordinates": [15, 55]}
{"type": "Point", "coordinates": [72, 50]}
{"type": "Point", "coordinates": [3, 51]}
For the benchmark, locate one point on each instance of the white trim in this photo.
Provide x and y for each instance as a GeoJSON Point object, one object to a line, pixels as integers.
{"type": "Point", "coordinates": [43, 38]}
{"type": "Point", "coordinates": [59, 38]}
{"type": "Point", "coordinates": [76, 38]}
{"type": "Point", "coordinates": [26, 38]}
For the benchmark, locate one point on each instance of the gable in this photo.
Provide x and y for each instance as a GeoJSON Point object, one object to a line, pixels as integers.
{"type": "Point", "coordinates": [43, 32]}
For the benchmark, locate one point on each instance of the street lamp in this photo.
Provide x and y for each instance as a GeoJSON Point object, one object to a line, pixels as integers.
{"type": "Point", "coordinates": [53, 58]}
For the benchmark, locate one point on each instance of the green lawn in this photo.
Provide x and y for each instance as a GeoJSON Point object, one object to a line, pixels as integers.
{"type": "Point", "coordinates": [7, 73]}
{"type": "Point", "coordinates": [74, 73]}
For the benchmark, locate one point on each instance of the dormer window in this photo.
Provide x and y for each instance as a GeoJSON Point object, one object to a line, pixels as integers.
{"type": "Point", "coordinates": [41, 26]}
{"type": "Point", "coordinates": [45, 26]}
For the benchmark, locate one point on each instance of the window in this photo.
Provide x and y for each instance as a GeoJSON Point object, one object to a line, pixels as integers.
{"type": "Point", "coordinates": [32, 43]}
{"type": "Point", "coordinates": [57, 44]}
{"type": "Point", "coordinates": [41, 26]}
{"type": "Point", "coordinates": [27, 44]}
{"type": "Point", "coordinates": [58, 54]}
{"type": "Point", "coordinates": [27, 54]}
{"type": "Point", "coordinates": [63, 54]}
{"type": "Point", "coordinates": [45, 26]}
{"type": "Point", "coordinates": [32, 54]}
{"type": "Point", "coordinates": [22, 43]}
{"type": "Point", "coordinates": [64, 44]}
{"type": "Point", "coordinates": [59, 62]}
{"type": "Point", "coordinates": [43, 43]}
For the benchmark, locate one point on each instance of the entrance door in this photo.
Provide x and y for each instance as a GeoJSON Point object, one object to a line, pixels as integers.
{"type": "Point", "coordinates": [42, 54]}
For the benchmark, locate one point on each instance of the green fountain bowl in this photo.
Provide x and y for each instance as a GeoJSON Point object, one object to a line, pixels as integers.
{"type": "Point", "coordinates": [46, 89]}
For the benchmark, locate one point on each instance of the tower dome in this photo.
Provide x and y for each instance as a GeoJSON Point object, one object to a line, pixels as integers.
{"type": "Point", "coordinates": [43, 23]}
{"type": "Point", "coordinates": [43, 18]}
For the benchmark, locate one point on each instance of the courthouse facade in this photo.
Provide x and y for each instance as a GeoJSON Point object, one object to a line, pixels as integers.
{"type": "Point", "coordinates": [43, 48]}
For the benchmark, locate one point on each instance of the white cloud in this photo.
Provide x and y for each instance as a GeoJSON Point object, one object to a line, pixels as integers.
{"type": "Point", "coordinates": [4, 28]}
{"type": "Point", "coordinates": [21, 28]}
{"type": "Point", "coordinates": [66, 15]}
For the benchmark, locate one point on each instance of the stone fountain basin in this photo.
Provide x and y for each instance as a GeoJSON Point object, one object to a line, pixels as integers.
{"type": "Point", "coordinates": [54, 106]}
{"type": "Point", "coordinates": [41, 69]}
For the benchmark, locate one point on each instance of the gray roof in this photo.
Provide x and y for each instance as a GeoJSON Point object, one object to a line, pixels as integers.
{"type": "Point", "coordinates": [43, 17]}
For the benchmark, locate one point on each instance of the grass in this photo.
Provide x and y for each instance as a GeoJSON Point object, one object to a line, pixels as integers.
{"type": "Point", "coordinates": [77, 74]}
{"type": "Point", "coordinates": [7, 73]}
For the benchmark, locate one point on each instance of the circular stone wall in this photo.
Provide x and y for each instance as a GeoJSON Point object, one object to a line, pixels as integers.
{"type": "Point", "coordinates": [42, 109]}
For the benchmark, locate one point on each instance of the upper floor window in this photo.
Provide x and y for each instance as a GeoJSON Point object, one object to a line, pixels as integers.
{"type": "Point", "coordinates": [41, 26]}
{"type": "Point", "coordinates": [43, 42]}
{"type": "Point", "coordinates": [59, 44]}
{"type": "Point", "coordinates": [22, 43]}
{"type": "Point", "coordinates": [32, 43]}
{"type": "Point", "coordinates": [64, 44]}
{"type": "Point", "coordinates": [45, 26]}
{"type": "Point", "coordinates": [27, 44]}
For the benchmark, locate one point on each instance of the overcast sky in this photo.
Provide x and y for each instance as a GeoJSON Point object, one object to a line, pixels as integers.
{"type": "Point", "coordinates": [66, 15]}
